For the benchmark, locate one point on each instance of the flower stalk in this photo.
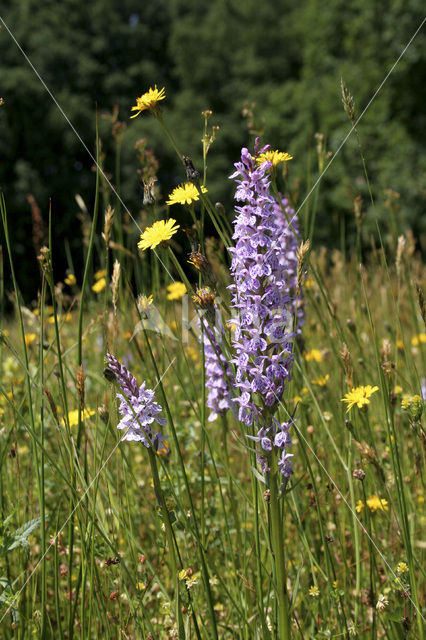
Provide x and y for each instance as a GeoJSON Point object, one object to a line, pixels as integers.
{"type": "Point", "coordinates": [277, 545]}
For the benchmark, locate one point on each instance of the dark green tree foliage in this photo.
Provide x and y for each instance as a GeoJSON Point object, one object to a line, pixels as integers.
{"type": "Point", "coordinates": [283, 59]}
{"type": "Point", "coordinates": [89, 54]}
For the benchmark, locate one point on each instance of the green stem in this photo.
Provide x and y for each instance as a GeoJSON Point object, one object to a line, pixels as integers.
{"type": "Point", "coordinates": [279, 570]}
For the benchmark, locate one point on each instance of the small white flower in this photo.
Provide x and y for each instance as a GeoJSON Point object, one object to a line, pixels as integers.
{"type": "Point", "coordinates": [382, 603]}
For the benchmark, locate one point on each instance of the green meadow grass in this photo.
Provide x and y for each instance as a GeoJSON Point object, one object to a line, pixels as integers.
{"type": "Point", "coordinates": [104, 539]}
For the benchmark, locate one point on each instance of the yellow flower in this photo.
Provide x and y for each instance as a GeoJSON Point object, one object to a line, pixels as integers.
{"type": "Point", "coordinates": [148, 100]}
{"type": "Point", "coordinates": [359, 396]}
{"type": "Point", "coordinates": [185, 194]}
{"type": "Point", "coordinates": [159, 232]}
{"type": "Point", "coordinates": [336, 584]}
{"type": "Point", "coordinates": [100, 273]}
{"type": "Point", "coordinates": [127, 335]}
{"type": "Point", "coordinates": [183, 574]}
{"type": "Point", "coordinates": [51, 319]}
{"type": "Point", "coordinates": [29, 338]}
{"type": "Point", "coordinates": [419, 339]}
{"type": "Point", "coordinates": [359, 506]}
{"type": "Point", "coordinates": [406, 401]}
{"type": "Point", "coordinates": [314, 591]}
{"type": "Point", "coordinates": [99, 285]}
{"type": "Point", "coordinates": [273, 156]}
{"type": "Point", "coordinates": [175, 291]}
{"type": "Point", "coordinates": [194, 354]}
{"type": "Point", "coordinates": [321, 381]}
{"type": "Point", "coordinates": [70, 280]}
{"type": "Point", "coordinates": [374, 503]}
{"type": "Point", "coordinates": [297, 399]}
{"type": "Point", "coordinates": [400, 345]}
{"type": "Point", "coordinates": [402, 567]}
{"type": "Point", "coordinates": [397, 389]}
{"type": "Point", "coordinates": [314, 354]}
{"type": "Point", "coordinates": [73, 416]}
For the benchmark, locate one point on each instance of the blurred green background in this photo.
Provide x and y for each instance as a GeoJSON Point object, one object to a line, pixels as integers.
{"type": "Point", "coordinates": [271, 68]}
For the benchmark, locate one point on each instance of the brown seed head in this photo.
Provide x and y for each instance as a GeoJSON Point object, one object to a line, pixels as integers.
{"type": "Point", "coordinates": [80, 378]}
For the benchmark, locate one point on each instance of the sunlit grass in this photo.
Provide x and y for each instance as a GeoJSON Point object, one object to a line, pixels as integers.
{"type": "Point", "coordinates": [104, 539]}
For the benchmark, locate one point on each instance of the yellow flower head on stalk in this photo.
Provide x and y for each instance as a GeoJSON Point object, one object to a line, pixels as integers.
{"type": "Point", "coordinates": [374, 503]}
{"type": "Point", "coordinates": [100, 273]}
{"type": "Point", "coordinates": [29, 339]}
{"type": "Point", "coordinates": [321, 381]}
{"type": "Point", "coordinates": [314, 354]}
{"type": "Point", "coordinates": [359, 506]}
{"type": "Point", "coordinates": [185, 194]}
{"type": "Point", "coordinates": [99, 285]}
{"type": "Point", "coordinates": [160, 231]}
{"type": "Point", "coordinates": [359, 396]}
{"type": "Point", "coordinates": [73, 416]}
{"type": "Point", "coordinates": [175, 291]}
{"type": "Point", "coordinates": [148, 100]}
{"type": "Point", "coordinates": [70, 280]}
{"type": "Point", "coordinates": [314, 591]}
{"type": "Point", "coordinates": [402, 567]}
{"type": "Point", "coordinates": [419, 339]}
{"type": "Point", "coordinates": [273, 156]}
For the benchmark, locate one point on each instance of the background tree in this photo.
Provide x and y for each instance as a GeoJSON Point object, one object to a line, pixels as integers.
{"type": "Point", "coordinates": [279, 63]}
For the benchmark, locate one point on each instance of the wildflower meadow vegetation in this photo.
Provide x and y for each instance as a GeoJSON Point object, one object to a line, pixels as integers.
{"type": "Point", "coordinates": [215, 431]}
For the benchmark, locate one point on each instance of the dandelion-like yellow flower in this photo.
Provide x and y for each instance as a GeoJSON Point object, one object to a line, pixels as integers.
{"type": "Point", "coordinates": [374, 503]}
{"type": "Point", "coordinates": [99, 285]}
{"type": "Point", "coordinates": [359, 506]}
{"type": "Point", "coordinates": [29, 339]}
{"type": "Point", "coordinates": [175, 291]}
{"type": "Point", "coordinates": [66, 317]}
{"type": "Point", "coordinates": [273, 156]}
{"type": "Point", "coordinates": [419, 339]}
{"type": "Point", "coordinates": [144, 303]}
{"type": "Point", "coordinates": [313, 354]}
{"type": "Point", "coordinates": [70, 280]}
{"type": "Point", "coordinates": [160, 231]}
{"type": "Point", "coordinates": [314, 591]}
{"type": "Point", "coordinates": [321, 381]}
{"type": "Point", "coordinates": [359, 396]}
{"type": "Point", "coordinates": [73, 416]}
{"type": "Point", "coordinates": [148, 100]}
{"type": "Point", "coordinates": [185, 194]}
{"type": "Point", "coordinates": [100, 273]}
